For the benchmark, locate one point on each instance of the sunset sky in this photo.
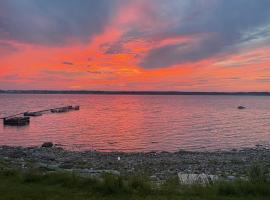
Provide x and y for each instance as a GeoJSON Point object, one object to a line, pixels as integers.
{"type": "Point", "coordinates": [181, 45]}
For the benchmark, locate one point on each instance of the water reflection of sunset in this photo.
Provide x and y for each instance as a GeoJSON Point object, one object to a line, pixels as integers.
{"type": "Point", "coordinates": [139, 123]}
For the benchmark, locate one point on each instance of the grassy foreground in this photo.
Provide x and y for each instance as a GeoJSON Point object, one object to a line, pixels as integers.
{"type": "Point", "coordinates": [60, 186]}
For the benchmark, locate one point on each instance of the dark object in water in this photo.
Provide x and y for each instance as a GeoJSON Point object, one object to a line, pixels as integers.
{"type": "Point", "coordinates": [32, 114]}
{"type": "Point", "coordinates": [47, 145]}
{"type": "Point", "coordinates": [17, 121]}
{"type": "Point", "coordinates": [60, 110]}
{"type": "Point", "coordinates": [241, 107]}
{"type": "Point", "coordinates": [76, 107]}
{"type": "Point", "coordinates": [65, 109]}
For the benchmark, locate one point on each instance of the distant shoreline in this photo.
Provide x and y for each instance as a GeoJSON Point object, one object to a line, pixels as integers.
{"type": "Point", "coordinates": [131, 92]}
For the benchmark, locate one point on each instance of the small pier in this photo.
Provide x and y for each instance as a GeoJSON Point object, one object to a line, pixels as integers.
{"type": "Point", "coordinates": [17, 121]}
{"type": "Point", "coordinates": [32, 114]}
{"type": "Point", "coordinates": [65, 109]}
{"type": "Point", "coordinates": [23, 119]}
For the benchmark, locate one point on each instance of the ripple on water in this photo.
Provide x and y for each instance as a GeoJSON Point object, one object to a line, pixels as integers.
{"type": "Point", "coordinates": [140, 123]}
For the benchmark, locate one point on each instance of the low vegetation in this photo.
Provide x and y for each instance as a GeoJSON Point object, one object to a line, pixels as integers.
{"type": "Point", "coordinates": [38, 185]}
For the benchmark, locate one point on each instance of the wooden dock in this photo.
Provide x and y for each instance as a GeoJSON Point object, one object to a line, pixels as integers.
{"type": "Point", "coordinates": [22, 119]}
{"type": "Point", "coordinates": [17, 121]}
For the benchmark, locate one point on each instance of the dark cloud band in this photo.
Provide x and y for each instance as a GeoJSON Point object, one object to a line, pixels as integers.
{"type": "Point", "coordinates": [225, 21]}
{"type": "Point", "coordinates": [53, 22]}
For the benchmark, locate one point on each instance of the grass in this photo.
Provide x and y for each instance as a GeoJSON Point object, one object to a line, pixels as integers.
{"type": "Point", "coordinates": [63, 186]}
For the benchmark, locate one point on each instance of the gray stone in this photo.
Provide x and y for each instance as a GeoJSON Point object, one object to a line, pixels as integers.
{"type": "Point", "coordinates": [231, 178]}
{"type": "Point", "coordinates": [93, 173]}
{"type": "Point", "coordinates": [196, 178]}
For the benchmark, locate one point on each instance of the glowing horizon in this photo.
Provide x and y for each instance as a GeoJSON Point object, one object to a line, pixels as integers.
{"type": "Point", "coordinates": [180, 45]}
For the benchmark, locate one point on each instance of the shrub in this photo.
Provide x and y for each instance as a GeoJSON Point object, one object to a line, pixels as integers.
{"type": "Point", "coordinates": [171, 185]}
{"type": "Point", "coordinates": [139, 184]}
{"type": "Point", "coordinates": [9, 173]}
{"type": "Point", "coordinates": [258, 174]}
{"type": "Point", "coordinates": [32, 176]}
{"type": "Point", "coordinates": [110, 184]}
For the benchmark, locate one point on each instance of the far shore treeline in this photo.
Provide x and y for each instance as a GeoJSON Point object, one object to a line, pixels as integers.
{"type": "Point", "coordinates": [131, 92]}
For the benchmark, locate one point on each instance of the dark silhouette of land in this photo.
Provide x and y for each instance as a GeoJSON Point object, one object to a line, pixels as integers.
{"type": "Point", "coordinates": [130, 92]}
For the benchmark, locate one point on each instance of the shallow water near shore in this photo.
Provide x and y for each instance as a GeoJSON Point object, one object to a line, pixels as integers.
{"type": "Point", "coordinates": [140, 123]}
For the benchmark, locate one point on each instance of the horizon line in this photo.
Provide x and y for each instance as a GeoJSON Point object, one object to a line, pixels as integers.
{"type": "Point", "coordinates": [132, 92]}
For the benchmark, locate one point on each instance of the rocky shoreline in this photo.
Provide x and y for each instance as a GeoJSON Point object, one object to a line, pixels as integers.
{"type": "Point", "coordinates": [156, 165]}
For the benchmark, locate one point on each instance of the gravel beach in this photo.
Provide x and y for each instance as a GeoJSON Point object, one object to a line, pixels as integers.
{"type": "Point", "coordinates": [157, 165]}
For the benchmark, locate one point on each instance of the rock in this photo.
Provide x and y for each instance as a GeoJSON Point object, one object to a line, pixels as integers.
{"type": "Point", "coordinates": [66, 165]}
{"type": "Point", "coordinates": [18, 153]}
{"type": "Point", "coordinates": [244, 178]}
{"type": "Point", "coordinates": [231, 178]}
{"type": "Point", "coordinates": [48, 157]}
{"type": "Point", "coordinates": [47, 145]}
{"type": "Point", "coordinates": [196, 178]}
{"type": "Point", "coordinates": [154, 178]}
{"type": "Point", "coordinates": [48, 167]}
{"type": "Point", "coordinates": [241, 107]}
{"type": "Point", "coordinates": [93, 173]}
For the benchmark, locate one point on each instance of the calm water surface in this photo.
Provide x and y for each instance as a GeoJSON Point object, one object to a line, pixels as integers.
{"type": "Point", "coordinates": [140, 123]}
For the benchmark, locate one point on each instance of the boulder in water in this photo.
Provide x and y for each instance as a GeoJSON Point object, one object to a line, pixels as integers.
{"type": "Point", "coordinates": [241, 107]}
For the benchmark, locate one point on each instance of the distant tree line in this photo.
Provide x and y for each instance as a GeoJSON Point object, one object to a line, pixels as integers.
{"type": "Point", "coordinates": [130, 92]}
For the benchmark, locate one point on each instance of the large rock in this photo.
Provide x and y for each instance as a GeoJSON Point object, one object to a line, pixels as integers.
{"type": "Point", "coordinates": [47, 145]}
{"type": "Point", "coordinates": [196, 178]}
